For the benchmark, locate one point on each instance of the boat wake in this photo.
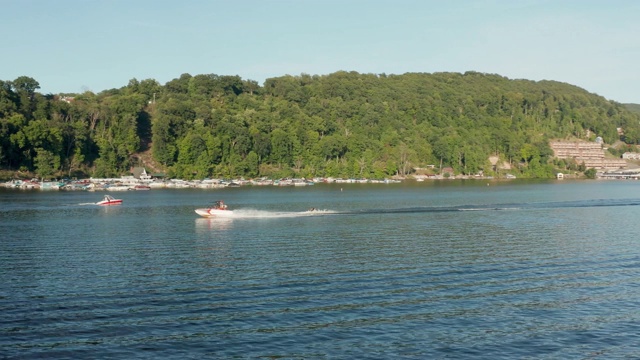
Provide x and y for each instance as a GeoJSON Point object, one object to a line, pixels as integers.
{"type": "Point", "coordinates": [263, 214]}
{"type": "Point", "coordinates": [504, 207]}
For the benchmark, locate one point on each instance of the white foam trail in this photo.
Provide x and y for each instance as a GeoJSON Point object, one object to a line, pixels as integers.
{"type": "Point", "coordinates": [262, 214]}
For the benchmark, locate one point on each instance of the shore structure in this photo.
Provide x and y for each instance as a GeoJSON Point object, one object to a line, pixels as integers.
{"type": "Point", "coordinates": [625, 174]}
{"type": "Point", "coordinates": [591, 154]}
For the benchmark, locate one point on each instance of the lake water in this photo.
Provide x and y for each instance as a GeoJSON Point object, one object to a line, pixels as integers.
{"type": "Point", "coordinates": [450, 269]}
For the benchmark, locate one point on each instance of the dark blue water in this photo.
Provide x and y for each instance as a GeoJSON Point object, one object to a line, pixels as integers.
{"type": "Point", "coordinates": [417, 270]}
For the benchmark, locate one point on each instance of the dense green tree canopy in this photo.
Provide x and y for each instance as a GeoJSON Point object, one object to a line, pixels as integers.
{"type": "Point", "coordinates": [343, 124]}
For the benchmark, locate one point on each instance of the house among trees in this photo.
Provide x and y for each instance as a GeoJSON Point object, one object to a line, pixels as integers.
{"type": "Point", "coordinates": [498, 165]}
{"type": "Point", "coordinates": [140, 173]}
{"type": "Point", "coordinates": [447, 171]}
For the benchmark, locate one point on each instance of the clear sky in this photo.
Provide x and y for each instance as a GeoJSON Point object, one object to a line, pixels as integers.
{"type": "Point", "coordinates": [79, 45]}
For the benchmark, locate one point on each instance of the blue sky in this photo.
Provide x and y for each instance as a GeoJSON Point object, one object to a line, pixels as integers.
{"type": "Point", "coordinates": [79, 45]}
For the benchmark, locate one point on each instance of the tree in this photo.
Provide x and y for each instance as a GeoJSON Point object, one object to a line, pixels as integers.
{"type": "Point", "coordinates": [529, 152]}
{"type": "Point", "coordinates": [46, 163]}
{"type": "Point", "coordinates": [590, 173]}
{"type": "Point", "coordinates": [281, 148]}
{"type": "Point", "coordinates": [25, 88]}
{"type": "Point", "coordinates": [25, 84]}
{"type": "Point", "coordinates": [163, 147]}
{"type": "Point", "coordinates": [8, 99]}
{"type": "Point", "coordinates": [252, 164]}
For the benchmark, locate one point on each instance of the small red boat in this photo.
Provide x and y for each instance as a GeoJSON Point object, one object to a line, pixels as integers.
{"type": "Point", "coordinates": [109, 200]}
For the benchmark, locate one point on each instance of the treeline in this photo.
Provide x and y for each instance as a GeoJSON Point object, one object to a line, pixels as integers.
{"type": "Point", "coordinates": [633, 107]}
{"type": "Point", "coordinates": [344, 124]}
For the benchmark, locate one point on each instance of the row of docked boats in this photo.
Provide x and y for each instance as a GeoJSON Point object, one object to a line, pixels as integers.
{"type": "Point", "coordinates": [84, 185]}
{"type": "Point", "coordinates": [129, 183]}
{"type": "Point", "coordinates": [117, 187]}
{"type": "Point", "coordinates": [33, 184]}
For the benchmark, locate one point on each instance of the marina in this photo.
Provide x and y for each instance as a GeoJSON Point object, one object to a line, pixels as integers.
{"type": "Point", "coordinates": [130, 183]}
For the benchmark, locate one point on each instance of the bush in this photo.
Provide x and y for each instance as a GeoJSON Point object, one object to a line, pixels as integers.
{"type": "Point", "coordinates": [590, 173]}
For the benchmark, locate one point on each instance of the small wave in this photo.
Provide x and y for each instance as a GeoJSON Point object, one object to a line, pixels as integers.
{"type": "Point", "coordinates": [490, 209]}
{"type": "Point", "coordinates": [501, 207]}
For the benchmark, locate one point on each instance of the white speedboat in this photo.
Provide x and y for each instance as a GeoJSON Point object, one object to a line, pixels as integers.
{"type": "Point", "coordinates": [109, 200]}
{"type": "Point", "coordinates": [218, 209]}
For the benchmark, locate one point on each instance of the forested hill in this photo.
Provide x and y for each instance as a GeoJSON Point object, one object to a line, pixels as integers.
{"type": "Point", "coordinates": [344, 124]}
{"type": "Point", "coordinates": [633, 107]}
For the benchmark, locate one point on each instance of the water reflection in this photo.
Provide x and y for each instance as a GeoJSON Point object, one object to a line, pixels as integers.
{"type": "Point", "coordinates": [210, 224]}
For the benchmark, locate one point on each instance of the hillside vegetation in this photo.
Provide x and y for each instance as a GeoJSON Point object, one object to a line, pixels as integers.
{"type": "Point", "coordinates": [344, 124]}
{"type": "Point", "coordinates": [633, 107]}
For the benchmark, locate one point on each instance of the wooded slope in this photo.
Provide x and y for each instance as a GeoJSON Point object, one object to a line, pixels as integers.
{"type": "Point", "coordinates": [343, 124]}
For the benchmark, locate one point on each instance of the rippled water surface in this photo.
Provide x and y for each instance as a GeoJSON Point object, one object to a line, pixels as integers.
{"type": "Point", "coordinates": [414, 270]}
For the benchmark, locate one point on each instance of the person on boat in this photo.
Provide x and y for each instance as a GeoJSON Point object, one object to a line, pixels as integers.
{"type": "Point", "coordinates": [220, 205]}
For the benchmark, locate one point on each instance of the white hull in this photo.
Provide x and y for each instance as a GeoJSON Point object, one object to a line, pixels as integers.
{"type": "Point", "coordinates": [109, 202]}
{"type": "Point", "coordinates": [214, 213]}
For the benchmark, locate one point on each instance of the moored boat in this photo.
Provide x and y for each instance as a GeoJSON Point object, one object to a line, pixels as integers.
{"type": "Point", "coordinates": [109, 200]}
